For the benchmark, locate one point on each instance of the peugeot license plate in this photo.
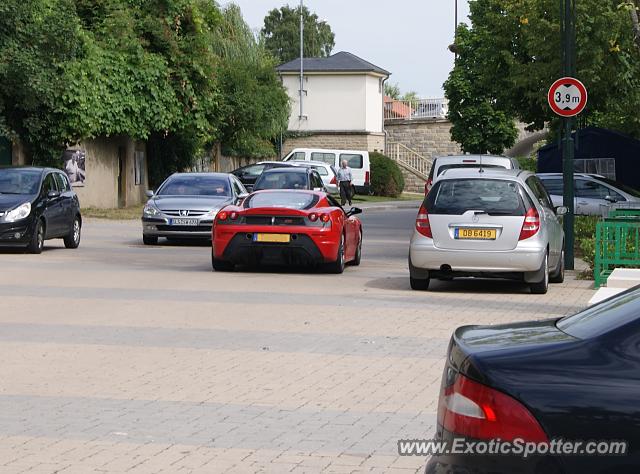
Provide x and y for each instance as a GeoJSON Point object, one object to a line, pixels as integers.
{"type": "Point", "coordinates": [193, 222]}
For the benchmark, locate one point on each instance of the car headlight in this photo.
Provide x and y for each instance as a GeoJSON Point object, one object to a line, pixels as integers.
{"type": "Point", "coordinates": [150, 210]}
{"type": "Point", "coordinates": [20, 212]}
{"type": "Point", "coordinates": [211, 214]}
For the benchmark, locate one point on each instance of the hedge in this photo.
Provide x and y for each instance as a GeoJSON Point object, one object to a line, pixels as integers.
{"type": "Point", "coordinates": [386, 177]}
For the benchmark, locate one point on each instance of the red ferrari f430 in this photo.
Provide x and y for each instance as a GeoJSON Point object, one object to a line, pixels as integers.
{"type": "Point", "coordinates": [285, 227]}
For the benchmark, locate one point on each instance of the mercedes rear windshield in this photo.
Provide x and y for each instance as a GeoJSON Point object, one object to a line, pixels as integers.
{"type": "Point", "coordinates": [492, 196]}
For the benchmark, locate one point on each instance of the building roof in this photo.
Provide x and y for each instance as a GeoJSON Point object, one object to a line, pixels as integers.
{"type": "Point", "coordinates": [339, 62]}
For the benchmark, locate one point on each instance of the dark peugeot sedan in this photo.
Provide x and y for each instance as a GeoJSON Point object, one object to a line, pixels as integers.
{"type": "Point", "coordinates": [575, 378]}
{"type": "Point", "coordinates": [37, 204]}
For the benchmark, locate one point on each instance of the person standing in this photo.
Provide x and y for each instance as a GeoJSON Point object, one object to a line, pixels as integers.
{"type": "Point", "coordinates": [344, 182]}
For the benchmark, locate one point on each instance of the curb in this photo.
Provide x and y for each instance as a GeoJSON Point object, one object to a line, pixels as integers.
{"type": "Point", "coordinates": [389, 206]}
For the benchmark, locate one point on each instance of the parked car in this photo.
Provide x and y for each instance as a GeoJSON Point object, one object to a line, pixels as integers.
{"type": "Point", "coordinates": [572, 378]}
{"type": "Point", "coordinates": [443, 163]}
{"type": "Point", "coordinates": [38, 204]}
{"type": "Point", "coordinates": [487, 223]}
{"type": "Point", "coordinates": [592, 192]}
{"type": "Point", "coordinates": [287, 227]}
{"type": "Point", "coordinates": [327, 172]}
{"type": "Point", "coordinates": [186, 204]}
{"type": "Point", "coordinates": [358, 161]}
{"type": "Point", "coordinates": [249, 174]}
{"type": "Point", "coordinates": [294, 177]}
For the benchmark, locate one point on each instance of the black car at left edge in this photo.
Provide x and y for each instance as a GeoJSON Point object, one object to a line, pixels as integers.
{"type": "Point", "coordinates": [37, 204]}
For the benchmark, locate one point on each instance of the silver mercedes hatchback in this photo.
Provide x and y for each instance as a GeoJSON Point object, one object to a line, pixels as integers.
{"type": "Point", "coordinates": [488, 223]}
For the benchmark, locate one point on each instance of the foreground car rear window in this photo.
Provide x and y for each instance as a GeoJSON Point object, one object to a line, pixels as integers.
{"type": "Point", "coordinates": [290, 200]}
{"type": "Point", "coordinates": [604, 317]}
{"type": "Point", "coordinates": [493, 196]}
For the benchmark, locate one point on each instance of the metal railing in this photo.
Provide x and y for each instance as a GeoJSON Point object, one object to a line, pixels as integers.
{"type": "Point", "coordinates": [415, 109]}
{"type": "Point", "coordinates": [410, 159]}
{"type": "Point", "coordinates": [617, 243]}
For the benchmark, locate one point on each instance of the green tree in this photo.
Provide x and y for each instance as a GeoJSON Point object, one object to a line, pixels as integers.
{"type": "Point", "coordinates": [392, 91]}
{"type": "Point", "coordinates": [255, 105]}
{"type": "Point", "coordinates": [510, 55]}
{"type": "Point", "coordinates": [281, 33]}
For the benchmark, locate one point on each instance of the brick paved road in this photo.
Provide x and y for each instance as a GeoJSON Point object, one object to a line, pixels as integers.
{"type": "Point", "coordinates": [123, 358]}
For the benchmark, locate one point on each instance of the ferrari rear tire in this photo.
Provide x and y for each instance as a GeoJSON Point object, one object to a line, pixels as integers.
{"type": "Point", "coordinates": [218, 265]}
{"type": "Point", "coordinates": [338, 265]}
{"type": "Point", "coordinates": [358, 257]}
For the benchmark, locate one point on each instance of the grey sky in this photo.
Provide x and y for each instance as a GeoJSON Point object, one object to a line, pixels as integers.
{"type": "Point", "coordinates": [407, 37]}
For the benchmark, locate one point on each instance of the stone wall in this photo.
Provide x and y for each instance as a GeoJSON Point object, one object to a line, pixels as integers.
{"type": "Point", "coordinates": [429, 137]}
{"type": "Point", "coordinates": [412, 183]}
{"type": "Point", "coordinates": [337, 141]}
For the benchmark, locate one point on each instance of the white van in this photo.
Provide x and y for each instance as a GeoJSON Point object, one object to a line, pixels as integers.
{"type": "Point", "coordinates": [358, 162]}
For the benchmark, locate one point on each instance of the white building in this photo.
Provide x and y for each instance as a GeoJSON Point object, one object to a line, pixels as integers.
{"type": "Point", "coordinates": [342, 103]}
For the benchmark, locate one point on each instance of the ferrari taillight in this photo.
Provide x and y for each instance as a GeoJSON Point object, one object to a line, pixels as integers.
{"type": "Point", "coordinates": [313, 217]}
{"type": "Point", "coordinates": [233, 216]}
{"type": "Point", "coordinates": [223, 215]}
{"type": "Point", "coordinates": [325, 218]}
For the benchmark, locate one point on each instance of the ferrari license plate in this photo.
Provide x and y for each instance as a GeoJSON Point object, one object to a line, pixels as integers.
{"type": "Point", "coordinates": [475, 234]}
{"type": "Point", "coordinates": [274, 238]}
{"type": "Point", "coordinates": [183, 222]}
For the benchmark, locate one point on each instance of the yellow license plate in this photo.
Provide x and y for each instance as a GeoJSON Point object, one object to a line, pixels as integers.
{"type": "Point", "coordinates": [278, 238]}
{"type": "Point", "coordinates": [476, 234]}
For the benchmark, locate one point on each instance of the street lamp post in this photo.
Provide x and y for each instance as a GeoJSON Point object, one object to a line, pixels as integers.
{"type": "Point", "coordinates": [301, 61]}
{"type": "Point", "coordinates": [568, 31]}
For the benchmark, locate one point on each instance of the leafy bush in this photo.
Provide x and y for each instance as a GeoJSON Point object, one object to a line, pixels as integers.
{"type": "Point", "coordinates": [529, 164]}
{"type": "Point", "coordinates": [585, 237]}
{"type": "Point", "coordinates": [386, 177]}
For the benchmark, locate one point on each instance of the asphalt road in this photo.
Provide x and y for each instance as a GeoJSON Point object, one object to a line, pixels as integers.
{"type": "Point", "coordinates": [119, 357]}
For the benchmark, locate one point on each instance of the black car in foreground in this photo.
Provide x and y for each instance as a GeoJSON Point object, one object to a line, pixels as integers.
{"type": "Point", "coordinates": [37, 204]}
{"type": "Point", "coordinates": [295, 177]}
{"type": "Point", "coordinates": [573, 379]}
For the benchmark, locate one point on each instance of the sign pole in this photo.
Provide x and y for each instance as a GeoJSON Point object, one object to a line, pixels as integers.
{"type": "Point", "coordinates": [569, 42]}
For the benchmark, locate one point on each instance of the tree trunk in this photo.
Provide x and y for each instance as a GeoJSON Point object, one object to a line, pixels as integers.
{"type": "Point", "coordinates": [634, 20]}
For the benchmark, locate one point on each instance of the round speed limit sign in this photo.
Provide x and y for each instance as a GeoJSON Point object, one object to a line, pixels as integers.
{"type": "Point", "coordinates": [568, 97]}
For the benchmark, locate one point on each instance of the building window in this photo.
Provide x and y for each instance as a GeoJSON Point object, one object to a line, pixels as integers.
{"type": "Point", "coordinates": [139, 167]}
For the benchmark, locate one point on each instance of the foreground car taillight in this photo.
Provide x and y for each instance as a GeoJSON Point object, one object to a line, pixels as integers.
{"type": "Point", "coordinates": [223, 215]}
{"type": "Point", "coordinates": [473, 410]}
{"type": "Point", "coordinates": [422, 222]}
{"type": "Point", "coordinates": [531, 224]}
{"type": "Point", "coordinates": [324, 218]}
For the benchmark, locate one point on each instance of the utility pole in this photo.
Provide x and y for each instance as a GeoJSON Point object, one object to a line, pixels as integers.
{"type": "Point", "coordinates": [568, 31]}
{"type": "Point", "coordinates": [301, 61]}
{"type": "Point", "coordinates": [455, 31]}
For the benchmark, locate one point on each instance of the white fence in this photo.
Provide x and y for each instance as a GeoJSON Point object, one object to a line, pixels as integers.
{"type": "Point", "coordinates": [415, 109]}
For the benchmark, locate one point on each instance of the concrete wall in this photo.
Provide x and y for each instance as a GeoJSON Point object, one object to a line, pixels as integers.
{"type": "Point", "coordinates": [102, 168]}
{"type": "Point", "coordinates": [339, 141]}
{"type": "Point", "coordinates": [428, 137]}
{"type": "Point", "coordinates": [336, 102]}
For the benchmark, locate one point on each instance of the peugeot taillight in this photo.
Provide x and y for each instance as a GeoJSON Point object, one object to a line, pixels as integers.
{"type": "Point", "coordinates": [531, 224]}
{"type": "Point", "coordinates": [422, 222]}
{"type": "Point", "coordinates": [473, 410]}
{"type": "Point", "coordinates": [333, 180]}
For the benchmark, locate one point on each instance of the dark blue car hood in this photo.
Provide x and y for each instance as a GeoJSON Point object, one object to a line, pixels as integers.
{"type": "Point", "coordinates": [9, 201]}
